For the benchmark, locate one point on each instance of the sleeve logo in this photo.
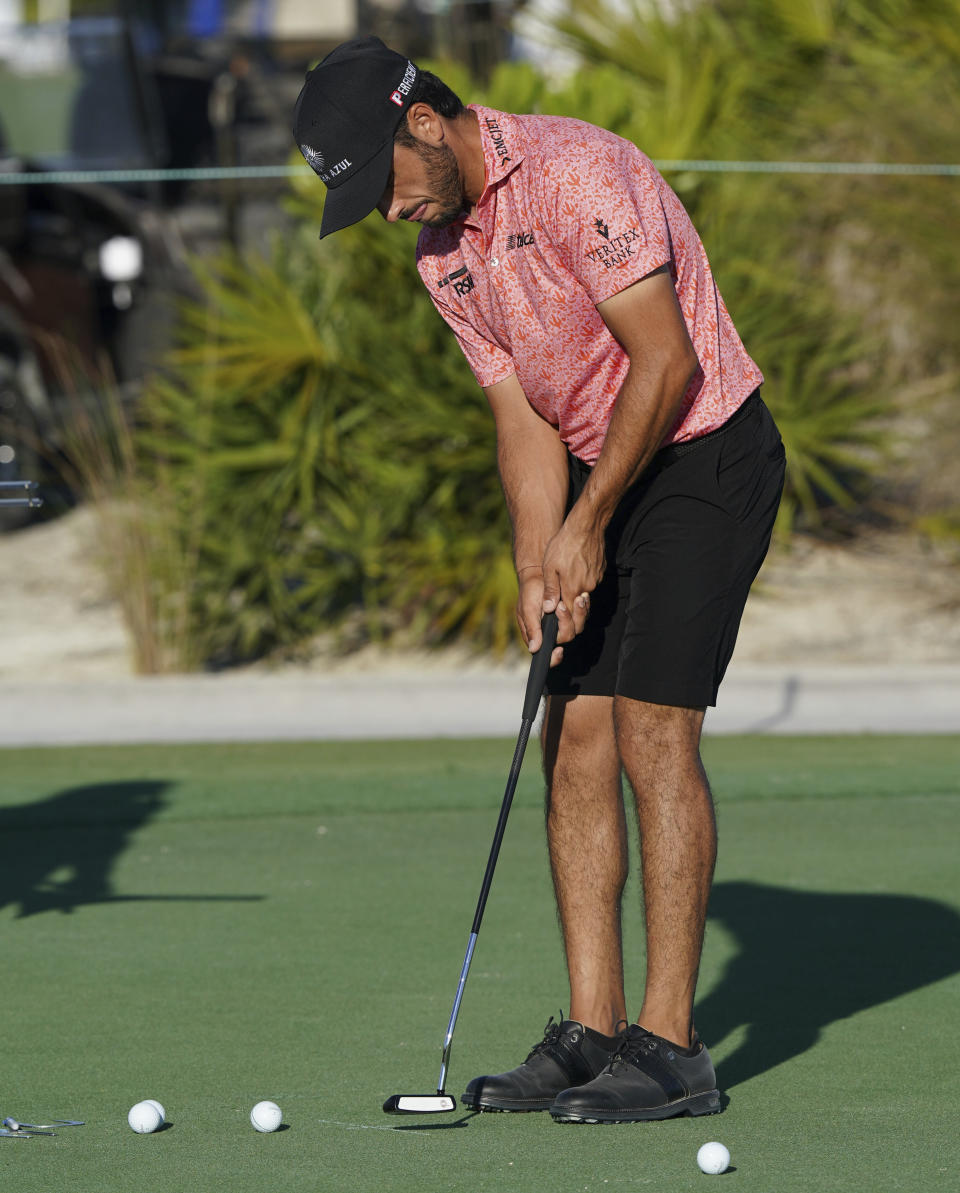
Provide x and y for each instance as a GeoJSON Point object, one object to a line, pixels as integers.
{"type": "Point", "coordinates": [617, 250]}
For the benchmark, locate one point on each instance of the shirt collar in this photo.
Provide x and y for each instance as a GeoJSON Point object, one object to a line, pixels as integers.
{"type": "Point", "coordinates": [501, 139]}
{"type": "Point", "coordinates": [502, 147]}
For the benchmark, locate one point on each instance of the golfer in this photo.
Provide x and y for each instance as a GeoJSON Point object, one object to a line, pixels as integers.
{"type": "Point", "coordinates": [642, 473]}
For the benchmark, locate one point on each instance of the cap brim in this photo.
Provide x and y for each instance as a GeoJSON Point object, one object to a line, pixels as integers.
{"type": "Point", "coordinates": [351, 201]}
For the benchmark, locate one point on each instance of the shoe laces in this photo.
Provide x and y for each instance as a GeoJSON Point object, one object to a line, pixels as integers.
{"type": "Point", "coordinates": [633, 1041]}
{"type": "Point", "coordinates": [551, 1036]}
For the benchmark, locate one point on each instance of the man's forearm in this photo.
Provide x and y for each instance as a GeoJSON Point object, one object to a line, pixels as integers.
{"type": "Point", "coordinates": [645, 410]}
{"type": "Point", "coordinates": [647, 322]}
{"type": "Point", "coordinates": [533, 473]}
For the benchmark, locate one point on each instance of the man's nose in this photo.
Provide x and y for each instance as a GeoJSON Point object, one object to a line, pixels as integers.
{"type": "Point", "coordinates": [389, 207]}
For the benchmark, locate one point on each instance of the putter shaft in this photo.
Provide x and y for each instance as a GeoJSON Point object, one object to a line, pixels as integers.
{"type": "Point", "coordinates": [448, 1041]}
{"type": "Point", "coordinates": [539, 667]}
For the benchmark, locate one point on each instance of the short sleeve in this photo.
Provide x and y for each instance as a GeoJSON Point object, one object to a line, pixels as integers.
{"type": "Point", "coordinates": [609, 221]}
{"type": "Point", "coordinates": [489, 362]}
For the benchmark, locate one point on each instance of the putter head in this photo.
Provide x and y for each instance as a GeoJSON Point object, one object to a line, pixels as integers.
{"type": "Point", "coordinates": [419, 1104]}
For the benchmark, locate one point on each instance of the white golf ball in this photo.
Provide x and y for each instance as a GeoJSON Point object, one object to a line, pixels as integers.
{"type": "Point", "coordinates": [266, 1116]}
{"type": "Point", "coordinates": [160, 1110]}
{"type": "Point", "coordinates": [713, 1158]}
{"type": "Point", "coordinates": [144, 1118]}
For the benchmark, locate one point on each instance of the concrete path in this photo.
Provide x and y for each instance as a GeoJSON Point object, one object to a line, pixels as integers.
{"type": "Point", "coordinates": [755, 698]}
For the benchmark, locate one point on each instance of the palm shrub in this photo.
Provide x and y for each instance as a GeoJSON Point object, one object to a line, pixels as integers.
{"type": "Point", "coordinates": [821, 379]}
{"type": "Point", "coordinates": [331, 459]}
{"type": "Point", "coordinates": [247, 429]}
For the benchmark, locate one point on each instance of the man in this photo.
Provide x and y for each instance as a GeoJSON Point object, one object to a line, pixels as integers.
{"type": "Point", "coordinates": [642, 474]}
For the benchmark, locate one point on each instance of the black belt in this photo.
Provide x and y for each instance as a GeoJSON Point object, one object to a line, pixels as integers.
{"type": "Point", "coordinates": [673, 451]}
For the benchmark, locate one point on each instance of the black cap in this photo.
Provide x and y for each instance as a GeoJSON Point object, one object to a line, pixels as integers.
{"type": "Point", "coordinates": [344, 122]}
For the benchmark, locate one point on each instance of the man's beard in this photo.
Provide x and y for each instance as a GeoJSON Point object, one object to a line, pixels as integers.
{"type": "Point", "coordinates": [443, 181]}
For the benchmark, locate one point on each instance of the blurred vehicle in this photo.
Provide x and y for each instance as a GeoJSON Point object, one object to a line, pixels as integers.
{"type": "Point", "coordinates": [85, 269]}
{"type": "Point", "coordinates": [90, 272]}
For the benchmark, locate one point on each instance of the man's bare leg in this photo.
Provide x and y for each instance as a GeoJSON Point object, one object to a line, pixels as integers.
{"type": "Point", "coordinates": [587, 840]}
{"type": "Point", "coordinates": [660, 749]}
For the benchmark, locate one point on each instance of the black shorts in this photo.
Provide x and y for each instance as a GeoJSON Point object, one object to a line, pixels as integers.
{"type": "Point", "coordinates": [683, 549]}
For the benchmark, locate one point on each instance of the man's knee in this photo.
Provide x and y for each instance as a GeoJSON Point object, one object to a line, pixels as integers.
{"type": "Point", "coordinates": [654, 733]}
{"type": "Point", "coordinates": [578, 723]}
{"type": "Point", "coordinates": [578, 735]}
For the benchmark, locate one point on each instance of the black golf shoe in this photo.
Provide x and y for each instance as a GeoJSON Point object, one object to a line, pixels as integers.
{"type": "Point", "coordinates": [647, 1078]}
{"type": "Point", "coordinates": [565, 1057]}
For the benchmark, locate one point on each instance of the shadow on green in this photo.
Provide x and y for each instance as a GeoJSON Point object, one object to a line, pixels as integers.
{"type": "Point", "coordinates": [58, 854]}
{"type": "Point", "coordinates": [807, 959]}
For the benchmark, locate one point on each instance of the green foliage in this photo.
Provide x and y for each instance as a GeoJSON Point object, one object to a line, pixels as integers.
{"type": "Point", "coordinates": [330, 461]}
{"type": "Point", "coordinates": [840, 285]}
{"type": "Point", "coordinates": [817, 360]}
{"type": "Point", "coordinates": [314, 440]}
{"type": "Point", "coordinates": [840, 80]}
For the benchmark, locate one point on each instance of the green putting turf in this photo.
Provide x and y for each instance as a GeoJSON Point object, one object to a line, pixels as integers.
{"type": "Point", "coordinates": [214, 925]}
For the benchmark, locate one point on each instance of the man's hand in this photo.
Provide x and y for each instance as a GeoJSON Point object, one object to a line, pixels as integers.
{"type": "Point", "coordinates": [573, 566]}
{"type": "Point", "coordinates": [530, 611]}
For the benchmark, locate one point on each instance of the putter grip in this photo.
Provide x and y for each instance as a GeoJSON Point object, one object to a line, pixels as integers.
{"type": "Point", "coordinates": [539, 666]}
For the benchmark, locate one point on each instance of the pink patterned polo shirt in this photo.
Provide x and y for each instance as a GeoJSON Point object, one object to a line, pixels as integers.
{"type": "Point", "coordinates": [570, 215]}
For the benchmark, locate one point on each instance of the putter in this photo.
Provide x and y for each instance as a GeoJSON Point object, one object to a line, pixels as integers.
{"type": "Point", "coordinates": [441, 1101]}
{"type": "Point", "coordinates": [11, 1129]}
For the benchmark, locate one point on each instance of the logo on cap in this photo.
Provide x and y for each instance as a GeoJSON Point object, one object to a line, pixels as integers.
{"type": "Point", "coordinates": [403, 88]}
{"type": "Point", "coordinates": [328, 175]}
{"type": "Point", "coordinates": [314, 157]}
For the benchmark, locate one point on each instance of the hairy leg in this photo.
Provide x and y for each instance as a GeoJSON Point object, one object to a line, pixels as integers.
{"type": "Point", "coordinates": [660, 749]}
{"type": "Point", "coordinates": [587, 840]}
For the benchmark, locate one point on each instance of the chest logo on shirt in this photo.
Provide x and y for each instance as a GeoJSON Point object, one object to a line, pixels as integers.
{"type": "Point", "coordinates": [519, 240]}
{"type": "Point", "coordinates": [617, 250]}
{"type": "Point", "coordinates": [461, 280]}
{"type": "Point", "coordinates": [499, 144]}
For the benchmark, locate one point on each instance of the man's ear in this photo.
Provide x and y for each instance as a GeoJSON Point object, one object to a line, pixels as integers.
{"type": "Point", "coordinates": [424, 123]}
